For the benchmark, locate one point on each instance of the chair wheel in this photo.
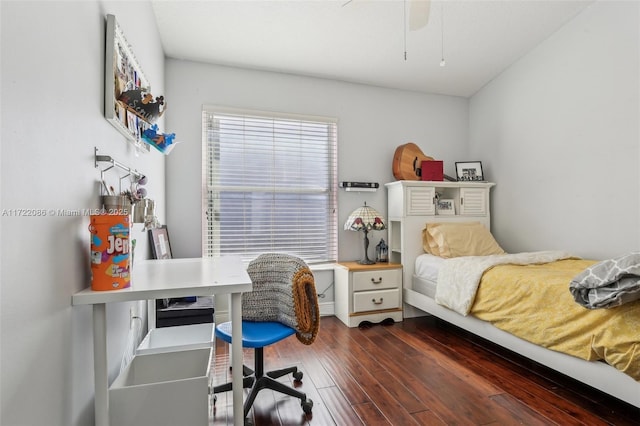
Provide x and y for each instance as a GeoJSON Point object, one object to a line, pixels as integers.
{"type": "Point", "coordinates": [298, 375]}
{"type": "Point", "coordinates": [307, 405]}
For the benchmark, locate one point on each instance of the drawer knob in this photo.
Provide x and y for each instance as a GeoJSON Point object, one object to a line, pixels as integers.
{"type": "Point", "coordinates": [377, 303]}
{"type": "Point", "coordinates": [373, 280]}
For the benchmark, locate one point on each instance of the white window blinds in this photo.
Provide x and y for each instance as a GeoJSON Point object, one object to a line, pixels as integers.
{"type": "Point", "coordinates": [269, 184]}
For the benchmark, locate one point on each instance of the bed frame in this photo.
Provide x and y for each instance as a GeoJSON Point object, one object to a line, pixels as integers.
{"type": "Point", "coordinates": [406, 239]}
{"type": "Point", "coordinates": [598, 375]}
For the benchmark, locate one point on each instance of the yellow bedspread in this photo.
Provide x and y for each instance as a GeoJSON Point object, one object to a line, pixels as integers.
{"type": "Point", "coordinates": [534, 303]}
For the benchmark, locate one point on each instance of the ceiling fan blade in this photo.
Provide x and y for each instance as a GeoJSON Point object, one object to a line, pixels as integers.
{"type": "Point", "coordinates": [419, 11]}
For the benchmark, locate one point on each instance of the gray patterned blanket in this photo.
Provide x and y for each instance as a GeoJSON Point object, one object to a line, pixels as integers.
{"type": "Point", "coordinates": [608, 283]}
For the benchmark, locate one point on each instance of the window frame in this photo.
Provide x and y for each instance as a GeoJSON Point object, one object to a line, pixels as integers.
{"type": "Point", "coordinates": [329, 189]}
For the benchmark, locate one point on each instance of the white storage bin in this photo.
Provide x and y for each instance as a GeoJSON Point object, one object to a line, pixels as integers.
{"type": "Point", "coordinates": [163, 389]}
{"type": "Point", "coordinates": [178, 338]}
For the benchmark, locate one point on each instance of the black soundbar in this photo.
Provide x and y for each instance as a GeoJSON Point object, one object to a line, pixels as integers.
{"type": "Point", "coordinates": [359, 185]}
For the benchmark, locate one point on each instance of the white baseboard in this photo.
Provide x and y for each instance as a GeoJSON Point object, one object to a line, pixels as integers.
{"type": "Point", "coordinates": [327, 309]}
{"type": "Point", "coordinates": [413, 312]}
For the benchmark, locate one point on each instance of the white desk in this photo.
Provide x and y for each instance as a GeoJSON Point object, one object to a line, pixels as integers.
{"type": "Point", "coordinates": [157, 279]}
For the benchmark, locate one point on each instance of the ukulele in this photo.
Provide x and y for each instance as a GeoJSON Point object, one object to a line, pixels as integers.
{"type": "Point", "coordinates": [407, 162]}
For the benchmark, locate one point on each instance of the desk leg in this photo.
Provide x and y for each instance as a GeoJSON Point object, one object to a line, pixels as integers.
{"type": "Point", "coordinates": [101, 377]}
{"type": "Point", "coordinates": [236, 358]}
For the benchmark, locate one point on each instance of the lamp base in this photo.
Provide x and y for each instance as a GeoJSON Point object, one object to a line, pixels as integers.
{"type": "Point", "coordinates": [365, 260]}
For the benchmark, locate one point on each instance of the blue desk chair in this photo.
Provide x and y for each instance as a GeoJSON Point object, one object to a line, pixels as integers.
{"type": "Point", "coordinates": [283, 302]}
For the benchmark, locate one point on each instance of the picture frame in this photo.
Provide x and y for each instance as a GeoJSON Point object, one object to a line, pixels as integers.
{"type": "Point", "coordinates": [122, 71]}
{"type": "Point", "coordinates": [445, 206]}
{"type": "Point", "coordinates": [160, 243]}
{"type": "Point", "coordinates": [469, 171]}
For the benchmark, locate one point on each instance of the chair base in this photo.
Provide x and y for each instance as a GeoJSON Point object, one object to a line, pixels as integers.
{"type": "Point", "coordinates": [266, 382]}
{"type": "Point", "coordinates": [257, 380]}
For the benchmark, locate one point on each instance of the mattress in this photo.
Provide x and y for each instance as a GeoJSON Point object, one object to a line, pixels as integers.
{"type": "Point", "coordinates": [426, 274]}
{"type": "Point", "coordinates": [533, 302]}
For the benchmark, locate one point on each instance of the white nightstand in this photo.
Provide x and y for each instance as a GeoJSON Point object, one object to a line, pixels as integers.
{"type": "Point", "coordinates": [368, 292]}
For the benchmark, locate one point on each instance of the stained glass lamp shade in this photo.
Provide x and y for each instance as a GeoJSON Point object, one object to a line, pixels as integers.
{"type": "Point", "coordinates": [365, 219]}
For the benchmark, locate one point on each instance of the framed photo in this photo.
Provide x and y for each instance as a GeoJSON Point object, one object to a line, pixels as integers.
{"type": "Point", "coordinates": [469, 171]}
{"type": "Point", "coordinates": [122, 72]}
{"type": "Point", "coordinates": [159, 241]}
{"type": "Point", "coordinates": [446, 207]}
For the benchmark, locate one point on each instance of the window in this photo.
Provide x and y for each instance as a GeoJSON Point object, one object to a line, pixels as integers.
{"type": "Point", "coordinates": [269, 184]}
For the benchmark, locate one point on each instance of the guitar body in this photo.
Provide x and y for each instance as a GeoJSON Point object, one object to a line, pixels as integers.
{"type": "Point", "coordinates": [407, 162]}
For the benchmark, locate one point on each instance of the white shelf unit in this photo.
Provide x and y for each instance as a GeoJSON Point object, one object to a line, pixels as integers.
{"type": "Point", "coordinates": [167, 388]}
{"type": "Point", "coordinates": [177, 338]}
{"type": "Point", "coordinates": [412, 204]}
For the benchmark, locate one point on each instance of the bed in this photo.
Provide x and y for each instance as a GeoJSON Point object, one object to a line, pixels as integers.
{"type": "Point", "coordinates": [586, 362]}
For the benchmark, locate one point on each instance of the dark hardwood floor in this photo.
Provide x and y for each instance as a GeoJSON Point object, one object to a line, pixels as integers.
{"type": "Point", "coordinates": [417, 372]}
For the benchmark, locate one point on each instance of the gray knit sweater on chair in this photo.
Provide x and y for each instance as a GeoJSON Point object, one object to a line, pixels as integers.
{"type": "Point", "coordinates": [283, 291]}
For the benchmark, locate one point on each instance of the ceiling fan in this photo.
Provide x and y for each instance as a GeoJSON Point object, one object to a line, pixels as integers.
{"type": "Point", "coordinates": [419, 11]}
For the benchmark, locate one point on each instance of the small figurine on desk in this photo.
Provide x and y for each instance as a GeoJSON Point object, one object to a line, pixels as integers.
{"type": "Point", "coordinates": [382, 251]}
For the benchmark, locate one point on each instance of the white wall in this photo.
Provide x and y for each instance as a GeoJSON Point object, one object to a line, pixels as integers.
{"type": "Point", "coordinates": [559, 133]}
{"type": "Point", "coordinates": [372, 122]}
{"type": "Point", "coordinates": [52, 118]}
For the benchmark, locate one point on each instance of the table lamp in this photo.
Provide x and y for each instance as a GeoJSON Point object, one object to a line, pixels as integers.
{"type": "Point", "coordinates": [365, 219]}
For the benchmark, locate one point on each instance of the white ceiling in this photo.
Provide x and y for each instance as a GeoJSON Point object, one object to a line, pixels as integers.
{"type": "Point", "coordinates": [363, 41]}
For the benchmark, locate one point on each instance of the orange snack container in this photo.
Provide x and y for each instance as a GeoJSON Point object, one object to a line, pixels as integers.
{"type": "Point", "coordinates": [110, 257]}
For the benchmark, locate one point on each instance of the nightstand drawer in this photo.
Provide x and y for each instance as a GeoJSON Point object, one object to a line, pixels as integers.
{"type": "Point", "coordinates": [376, 300]}
{"type": "Point", "coordinates": [374, 280]}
